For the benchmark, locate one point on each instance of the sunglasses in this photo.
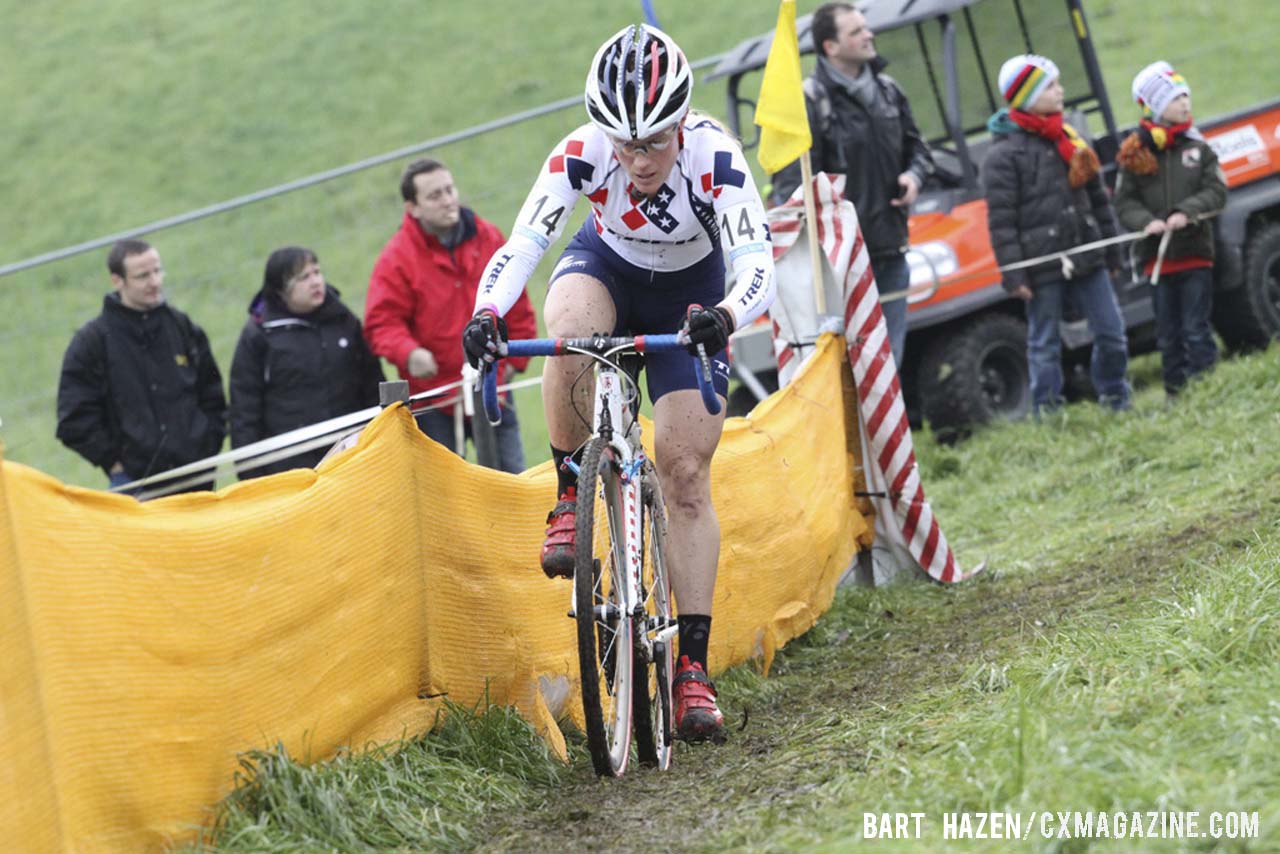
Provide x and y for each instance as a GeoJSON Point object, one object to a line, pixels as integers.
{"type": "Point", "coordinates": [658, 142]}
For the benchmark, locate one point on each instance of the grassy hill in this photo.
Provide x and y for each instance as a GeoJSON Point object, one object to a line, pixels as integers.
{"type": "Point", "coordinates": [120, 114]}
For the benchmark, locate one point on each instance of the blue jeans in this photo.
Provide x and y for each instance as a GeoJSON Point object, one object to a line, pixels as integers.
{"type": "Point", "coordinates": [1093, 297]}
{"type": "Point", "coordinates": [121, 478]}
{"type": "Point", "coordinates": [1183, 302]}
{"type": "Point", "coordinates": [893, 274]}
{"type": "Point", "coordinates": [438, 425]}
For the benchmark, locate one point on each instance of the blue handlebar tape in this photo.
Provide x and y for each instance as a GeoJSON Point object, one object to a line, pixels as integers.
{"type": "Point", "coordinates": [492, 408]}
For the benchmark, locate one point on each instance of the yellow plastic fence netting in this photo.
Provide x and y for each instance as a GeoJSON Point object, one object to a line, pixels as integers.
{"type": "Point", "coordinates": [145, 645]}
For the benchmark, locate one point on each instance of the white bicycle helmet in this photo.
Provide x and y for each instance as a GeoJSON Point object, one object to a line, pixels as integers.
{"type": "Point", "coordinates": [639, 84]}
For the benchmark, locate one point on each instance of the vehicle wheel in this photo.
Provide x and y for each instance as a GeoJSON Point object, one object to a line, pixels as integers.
{"type": "Point", "coordinates": [654, 670]}
{"type": "Point", "coordinates": [604, 631]}
{"type": "Point", "coordinates": [975, 374]}
{"type": "Point", "coordinates": [1248, 317]}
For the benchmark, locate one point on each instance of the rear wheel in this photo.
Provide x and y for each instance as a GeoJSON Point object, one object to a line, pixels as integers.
{"type": "Point", "coordinates": [1248, 316]}
{"type": "Point", "coordinates": [975, 374]}
{"type": "Point", "coordinates": [654, 662]}
{"type": "Point", "coordinates": [605, 646]}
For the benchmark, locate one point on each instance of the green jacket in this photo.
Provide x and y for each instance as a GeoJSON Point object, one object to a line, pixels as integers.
{"type": "Point", "coordinates": [1186, 177]}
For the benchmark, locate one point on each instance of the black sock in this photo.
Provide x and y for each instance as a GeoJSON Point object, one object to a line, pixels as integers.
{"type": "Point", "coordinates": [566, 477]}
{"type": "Point", "coordinates": [695, 629]}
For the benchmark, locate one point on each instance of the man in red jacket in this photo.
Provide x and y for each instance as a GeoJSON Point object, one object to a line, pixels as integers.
{"type": "Point", "coordinates": [422, 292]}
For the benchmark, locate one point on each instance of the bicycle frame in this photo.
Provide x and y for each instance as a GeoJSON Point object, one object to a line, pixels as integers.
{"type": "Point", "coordinates": [629, 455]}
{"type": "Point", "coordinates": [650, 627]}
{"type": "Point", "coordinates": [608, 414]}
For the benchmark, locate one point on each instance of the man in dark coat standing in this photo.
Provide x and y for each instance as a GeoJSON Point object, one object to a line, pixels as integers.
{"type": "Point", "coordinates": [140, 392]}
{"type": "Point", "coordinates": [862, 127]}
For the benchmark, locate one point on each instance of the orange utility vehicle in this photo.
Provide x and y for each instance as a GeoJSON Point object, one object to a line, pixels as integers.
{"type": "Point", "coordinates": [965, 359]}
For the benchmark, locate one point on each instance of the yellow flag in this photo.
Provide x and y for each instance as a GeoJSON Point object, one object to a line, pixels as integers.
{"type": "Point", "coordinates": [780, 113]}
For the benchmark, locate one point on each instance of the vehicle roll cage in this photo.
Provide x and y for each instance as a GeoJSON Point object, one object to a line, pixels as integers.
{"type": "Point", "coordinates": [955, 21]}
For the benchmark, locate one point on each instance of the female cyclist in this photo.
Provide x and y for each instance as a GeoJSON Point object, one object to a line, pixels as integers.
{"type": "Point", "coordinates": [671, 196]}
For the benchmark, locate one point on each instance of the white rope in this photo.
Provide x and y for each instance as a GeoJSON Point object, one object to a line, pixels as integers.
{"type": "Point", "coordinates": [1164, 246]}
{"type": "Point", "coordinates": [1068, 267]}
{"type": "Point", "coordinates": [270, 450]}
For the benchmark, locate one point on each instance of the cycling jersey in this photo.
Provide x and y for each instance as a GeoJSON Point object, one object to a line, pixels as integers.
{"type": "Point", "coordinates": [709, 201]}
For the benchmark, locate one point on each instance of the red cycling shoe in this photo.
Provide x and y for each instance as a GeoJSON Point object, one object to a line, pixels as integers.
{"type": "Point", "coordinates": [560, 543]}
{"type": "Point", "coordinates": [697, 716]}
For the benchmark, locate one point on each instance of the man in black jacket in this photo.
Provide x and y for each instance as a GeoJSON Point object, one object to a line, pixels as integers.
{"type": "Point", "coordinates": [1045, 198]}
{"type": "Point", "coordinates": [862, 127]}
{"type": "Point", "coordinates": [140, 392]}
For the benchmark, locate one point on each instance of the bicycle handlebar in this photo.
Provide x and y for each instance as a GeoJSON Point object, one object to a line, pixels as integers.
{"type": "Point", "coordinates": [598, 344]}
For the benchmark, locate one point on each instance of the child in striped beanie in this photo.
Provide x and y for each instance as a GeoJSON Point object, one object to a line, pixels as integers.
{"type": "Point", "coordinates": [1050, 221]}
{"type": "Point", "coordinates": [1029, 83]}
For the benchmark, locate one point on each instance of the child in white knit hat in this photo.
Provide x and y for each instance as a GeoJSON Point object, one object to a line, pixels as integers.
{"type": "Point", "coordinates": [1168, 185]}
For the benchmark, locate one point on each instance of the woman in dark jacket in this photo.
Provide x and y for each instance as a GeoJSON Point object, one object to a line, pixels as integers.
{"type": "Point", "coordinates": [301, 358]}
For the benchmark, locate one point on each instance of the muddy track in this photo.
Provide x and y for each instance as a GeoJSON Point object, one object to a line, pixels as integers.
{"type": "Point", "coordinates": [714, 788]}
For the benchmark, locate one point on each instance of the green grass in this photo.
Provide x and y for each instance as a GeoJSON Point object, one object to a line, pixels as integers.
{"type": "Point", "coordinates": [424, 793]}
{"type": "Point", "coordinates": [1119, 654]}
{"type": "Point", "coordinates": [1166, 703]}
{"type": "Point", "coordinates": [119, 114]}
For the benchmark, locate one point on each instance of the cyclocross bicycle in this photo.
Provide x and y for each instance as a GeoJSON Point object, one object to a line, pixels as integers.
{"type": "Point", "coordinates": [621, 589]}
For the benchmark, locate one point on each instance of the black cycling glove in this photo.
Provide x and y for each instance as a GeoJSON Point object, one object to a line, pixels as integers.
{"type": "Point", "coordinates": [708, 326]}
{"type": "Point", "coordinates": [482, 336]}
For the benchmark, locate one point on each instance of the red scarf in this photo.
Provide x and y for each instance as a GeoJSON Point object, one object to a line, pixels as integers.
{"type": "Point", "coordinates": [1158, 137]}
{"type": "Point", "coordinates": [1082, 162]}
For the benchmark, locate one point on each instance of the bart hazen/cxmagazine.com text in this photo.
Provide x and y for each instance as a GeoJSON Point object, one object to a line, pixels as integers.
{"type": "Point", "coordinates": [1061, 824]}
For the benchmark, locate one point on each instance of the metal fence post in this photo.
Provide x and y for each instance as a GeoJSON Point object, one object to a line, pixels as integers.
{"type": "Point", "coordinates": [393, 391]}
{"type": "Point", "coordinates": [482, 432]}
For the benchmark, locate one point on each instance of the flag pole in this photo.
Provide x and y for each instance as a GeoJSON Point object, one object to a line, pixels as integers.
{"type": "Point", "coordinates": [811, 218]}
{"type": "Point", "coordinates": [783, 118]}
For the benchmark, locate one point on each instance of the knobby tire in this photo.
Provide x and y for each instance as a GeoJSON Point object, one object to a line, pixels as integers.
{"type": "Point", "coordinates": [605, 650]}
{"type": "Point", "coordinates": [651, 695]}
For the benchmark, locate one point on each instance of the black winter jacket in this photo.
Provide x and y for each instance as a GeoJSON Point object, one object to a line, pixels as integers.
{"type": "Point", "coordinates": [1032, 210]}
{"type": "Point", "coordinates": [872, 149]}
{"type": "Point", "coordinates": [140, 388]}
{"type": "Point", "coordinates": [291, 370]}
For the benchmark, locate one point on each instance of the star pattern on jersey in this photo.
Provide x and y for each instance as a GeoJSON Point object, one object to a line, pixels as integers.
{"type": "Point", "coordinates": [577, 170]}
{"type": "Point", "coordinates": [722, 175]}
{"type": "Point", "coordinates": [654, 210]}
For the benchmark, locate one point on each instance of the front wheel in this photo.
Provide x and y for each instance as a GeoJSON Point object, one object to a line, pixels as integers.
{"type": "Point", "coordinates": [654, 640]}
{"type": "Point", "coordinates": [605, 646]}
